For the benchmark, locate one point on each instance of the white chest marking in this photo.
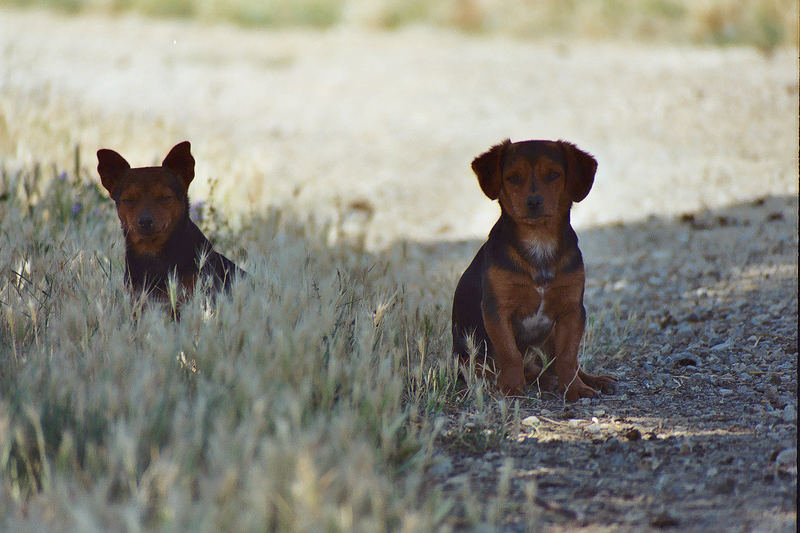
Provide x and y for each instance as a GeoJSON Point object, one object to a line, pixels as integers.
{"type": "Point", "coordinates": [538, 322]}
{"type": "Point", "coordinates": [541, 251]}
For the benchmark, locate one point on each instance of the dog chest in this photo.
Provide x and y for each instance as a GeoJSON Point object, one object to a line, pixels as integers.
{"type": "Point", "coordinates": [536, 326]}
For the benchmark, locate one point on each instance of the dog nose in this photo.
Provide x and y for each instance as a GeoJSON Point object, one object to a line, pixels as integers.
{"type": "Point", "coordinates": [146, 222]}
{"type": "Point", "coordinates": [534, 202]}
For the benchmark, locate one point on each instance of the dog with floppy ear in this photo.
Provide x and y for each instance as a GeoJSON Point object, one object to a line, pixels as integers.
{"type": "Point", "coordinates": [524, 288]}
{"type": "Point", "coordinates": [161, 241]}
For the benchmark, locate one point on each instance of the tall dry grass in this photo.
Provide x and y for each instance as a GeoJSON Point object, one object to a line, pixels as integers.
{"type": "Point", "coordinates": [763, 23]}
{"type": "Point", "coordinates": [297, 403]}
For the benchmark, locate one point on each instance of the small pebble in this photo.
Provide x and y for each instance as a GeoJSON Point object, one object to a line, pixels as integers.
{"type": "Point", "coordinates": [722, 346]}
{"type": "Point", "coordinates": [531, 421]}
{"type": "Point", "coordinates": [633, 434]}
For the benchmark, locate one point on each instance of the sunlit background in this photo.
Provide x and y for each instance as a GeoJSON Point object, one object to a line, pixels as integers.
{"type": "Point", "coordinates": [371, 111]}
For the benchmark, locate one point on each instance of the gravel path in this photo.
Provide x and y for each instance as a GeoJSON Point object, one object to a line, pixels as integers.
{"type": "Point", "coordinates": [697, 314]}
{"type": "Point", "coordinates": [701, 434]}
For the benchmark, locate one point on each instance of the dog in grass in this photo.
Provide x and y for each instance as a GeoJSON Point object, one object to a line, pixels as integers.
{"type": "Point", "coordinates": [166, 254]}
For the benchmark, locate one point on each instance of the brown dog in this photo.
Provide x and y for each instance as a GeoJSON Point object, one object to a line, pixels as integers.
{"type": "Point", "coordinates": [160, 239]}
{"type": "Point", "coordinates": [524, 288]}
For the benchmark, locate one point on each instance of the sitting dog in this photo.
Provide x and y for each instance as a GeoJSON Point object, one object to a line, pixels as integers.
{"type": "Point", "coordinates": [524, 288]}
{"type": "Point", "coordinates": [161, 241]}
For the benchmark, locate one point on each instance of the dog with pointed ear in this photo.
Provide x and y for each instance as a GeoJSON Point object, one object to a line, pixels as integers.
{"type": "Point", "coordinates": [112, 167]}
{"type": "Point", "coordinates": [161, 240]}
{"type": "Point", "coordinates": [523, 292]}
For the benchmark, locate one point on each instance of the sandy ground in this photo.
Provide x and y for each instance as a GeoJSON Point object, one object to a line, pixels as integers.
{"type": "Point", "coordinates": [697, 314]}
{"type": "Point", "coordinates": [391, 121]}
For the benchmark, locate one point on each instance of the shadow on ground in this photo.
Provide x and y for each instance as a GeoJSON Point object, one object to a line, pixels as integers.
{"type": "Point", "coordinates": [697, 317]}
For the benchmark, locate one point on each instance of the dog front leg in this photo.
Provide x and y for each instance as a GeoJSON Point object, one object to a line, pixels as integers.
{"type": "Point", "coordinates": [507, 357]}
{"type": "Point", "coordinates": [568, 332]}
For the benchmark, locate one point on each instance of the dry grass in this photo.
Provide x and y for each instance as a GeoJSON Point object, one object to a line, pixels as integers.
{"type": "Point", "coordinates": [300, 402]}
{"type": "Point", "coordinates": [763, 23]}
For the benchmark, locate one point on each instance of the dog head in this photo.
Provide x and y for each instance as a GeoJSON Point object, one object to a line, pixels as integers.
{"type": "Point", "coordinates": [151, 201]}
{"type": "Point", "coordinates": [535, 180]}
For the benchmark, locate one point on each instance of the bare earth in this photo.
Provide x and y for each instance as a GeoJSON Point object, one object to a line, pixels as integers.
{"type": "Point", "coordinates": [690, 233]}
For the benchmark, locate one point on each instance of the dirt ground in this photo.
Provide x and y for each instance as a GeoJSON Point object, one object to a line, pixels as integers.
{"type": "Point", "coordinates": [690, 233]}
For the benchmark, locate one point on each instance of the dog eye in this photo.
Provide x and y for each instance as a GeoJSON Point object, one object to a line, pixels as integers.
{"type": "Point", "coordinates": [553, 175]}
{"type": "Point", "coordinates": [514, 179]}
{"type": "Point", "coordinates": [163, 199]}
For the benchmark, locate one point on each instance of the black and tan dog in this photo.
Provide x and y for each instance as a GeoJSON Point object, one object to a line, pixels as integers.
{"type": "Point", "coordinates": [525, 286]}
{"type": "Point", "coordinates": [161, 241]}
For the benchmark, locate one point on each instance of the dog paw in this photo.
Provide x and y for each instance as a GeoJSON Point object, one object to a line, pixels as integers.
{"type": "Point", "coordinates": [511, 382]}
{"type": "Point", "coordinates": [603, 383]}
{"type": "Point", "coordinates": [578, 390]}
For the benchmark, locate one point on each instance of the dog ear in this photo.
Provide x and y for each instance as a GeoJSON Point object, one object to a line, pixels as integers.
{"type": "Point", "coordinates": [580, 170]}
{"type": "Point", "coordinates": [489, 169]}
{"type": "Point", "coordinates": [180, 161]}
{"type": "Point", "coordinates": [111, 166]}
